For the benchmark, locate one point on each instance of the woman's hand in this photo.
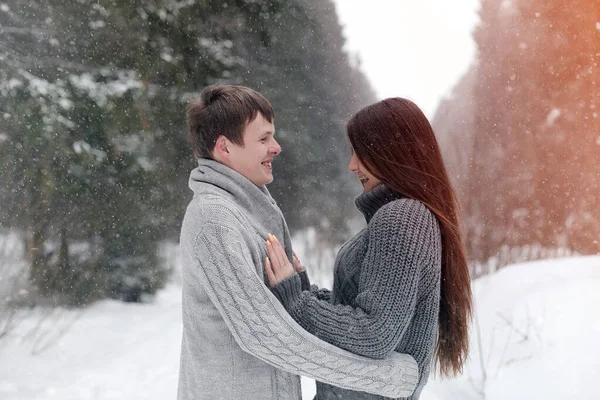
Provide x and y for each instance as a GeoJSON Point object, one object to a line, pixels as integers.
{"type": "Point", "coordinates": [277, 265]}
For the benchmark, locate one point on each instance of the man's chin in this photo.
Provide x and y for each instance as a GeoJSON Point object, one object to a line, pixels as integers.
{"type": "Point", "coordinates": [264, 181]}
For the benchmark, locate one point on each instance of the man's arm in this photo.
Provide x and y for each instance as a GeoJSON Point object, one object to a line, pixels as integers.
{"type": "Point", "coordinates": [263, 328]}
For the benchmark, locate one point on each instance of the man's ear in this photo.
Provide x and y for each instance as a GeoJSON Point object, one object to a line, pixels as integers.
{"type": "Point", "coordinates": [221, 150]}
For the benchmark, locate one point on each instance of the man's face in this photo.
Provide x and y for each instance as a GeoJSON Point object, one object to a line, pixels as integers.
{"type": "Point", "coordinates": [254, 159]}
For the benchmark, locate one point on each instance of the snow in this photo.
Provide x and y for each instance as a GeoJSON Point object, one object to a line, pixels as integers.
{"type": "Point", "coordinates": [14, 83]}
{"type": "Point", "coordinates": [101, 10]}
{"type": "Point", "coordinates": [552, 116]}
{"type": "Point", "coordinates": [97, 24]}
{"type": "Point", "coordinates": [125, 81]}
{"type": "Point", "coordinates": [539, 330]}
{"type": "Point", "coordinates": [81, 146]}
{"type": "Point", "coordinates": [221, 50]}
{"type": "Point", "coordinates": [538, 321]}
{"type": "Point", "coordinates": [110, 351]}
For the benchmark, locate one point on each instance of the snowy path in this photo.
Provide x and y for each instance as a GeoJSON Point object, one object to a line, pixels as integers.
{"type": "Point", "coordinates": [539, 322]}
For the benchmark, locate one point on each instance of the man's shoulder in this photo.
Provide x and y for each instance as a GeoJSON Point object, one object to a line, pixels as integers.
{"type": "Point", "coordinates": [212, 208]}
{"type": "Point", "coordinates": [207, 212]}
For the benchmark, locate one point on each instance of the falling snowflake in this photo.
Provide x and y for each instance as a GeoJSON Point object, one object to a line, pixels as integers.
{"type": "Point", "coordinates": [552, 116]}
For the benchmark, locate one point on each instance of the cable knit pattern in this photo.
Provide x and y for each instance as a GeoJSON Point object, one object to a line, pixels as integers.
{"type": "Point", "coordinates": [386, 288]}
{"type": "Point", "coordinates": [238, 340]}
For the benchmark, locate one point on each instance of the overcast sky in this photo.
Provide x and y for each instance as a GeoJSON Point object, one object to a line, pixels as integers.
{"type": "Point", "coordinates": [413, 49]}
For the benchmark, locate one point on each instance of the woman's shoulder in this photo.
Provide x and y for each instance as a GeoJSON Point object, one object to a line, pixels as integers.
{"type": "Point", "coordinates": [404, 211]}
{"type": "Point", "coordinates": [410, 224]}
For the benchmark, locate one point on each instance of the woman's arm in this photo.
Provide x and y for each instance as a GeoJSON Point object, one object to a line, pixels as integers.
{"type": "Point", "coordinates": [314, 290]}
{"type": "Point", "coordinates": [404, 238]}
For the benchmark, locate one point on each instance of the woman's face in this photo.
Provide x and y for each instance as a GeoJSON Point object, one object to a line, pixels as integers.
{"type": "Point", "coordinates": [367, 179]}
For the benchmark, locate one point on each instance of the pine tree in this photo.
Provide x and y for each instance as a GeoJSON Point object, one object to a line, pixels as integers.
{"type": "Point", "coordinates": [94, 144]}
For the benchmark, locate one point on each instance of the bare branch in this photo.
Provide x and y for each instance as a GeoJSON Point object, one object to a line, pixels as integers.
{"type": "Point", "coordinates": [524, 335]}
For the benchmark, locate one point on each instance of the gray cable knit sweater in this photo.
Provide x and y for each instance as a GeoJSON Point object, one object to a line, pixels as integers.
{"type": "Point", "coordinates": [238, 340]}
{"type": "Point", "coordinates": [386, 291]}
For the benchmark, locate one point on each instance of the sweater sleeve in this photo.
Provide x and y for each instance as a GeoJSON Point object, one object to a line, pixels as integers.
{"type": "Point", "coordinates": [403, 238]}
{"type": "Point", "coordinates": [321, 294]}
{"type": "Point", "coordinates": [262, 327]}
{"type": "Point", "coordinates": [292, 286]}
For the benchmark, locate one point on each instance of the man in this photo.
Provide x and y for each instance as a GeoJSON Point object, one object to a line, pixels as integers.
{"type": "Point", "coordinates": [238, 341]}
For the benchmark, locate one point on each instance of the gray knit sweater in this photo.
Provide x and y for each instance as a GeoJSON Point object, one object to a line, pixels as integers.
{"type": "Point", "coordinates": [238, 340]}
{"type": "Point", "coordinates": [386, 291]}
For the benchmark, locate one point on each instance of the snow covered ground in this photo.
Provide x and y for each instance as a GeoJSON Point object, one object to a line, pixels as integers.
{"type": "Point", "coordinates": [539, 326]}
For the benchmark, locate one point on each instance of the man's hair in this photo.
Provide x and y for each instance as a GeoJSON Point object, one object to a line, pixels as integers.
{"type": "Point", "coordinates": [223, 110]}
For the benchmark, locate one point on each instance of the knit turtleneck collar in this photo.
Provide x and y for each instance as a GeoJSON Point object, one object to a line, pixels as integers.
{"type": "Point", "coordinates": [369, 202]}
{"type": "Point", "coordinates": [255, 202]}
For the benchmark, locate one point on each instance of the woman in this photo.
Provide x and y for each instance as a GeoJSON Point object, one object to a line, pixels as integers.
{"type": "Point", "coordinates": [402, 283]}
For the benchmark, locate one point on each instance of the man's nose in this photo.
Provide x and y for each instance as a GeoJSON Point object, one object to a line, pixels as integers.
{"type": "Point", "coordinates": [275, 148]}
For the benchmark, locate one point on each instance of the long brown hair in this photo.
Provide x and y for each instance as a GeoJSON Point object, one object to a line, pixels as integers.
{"type": "Point", "coordinates": [395, 142]}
